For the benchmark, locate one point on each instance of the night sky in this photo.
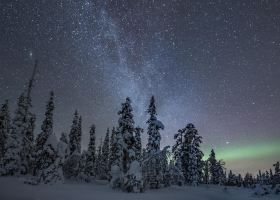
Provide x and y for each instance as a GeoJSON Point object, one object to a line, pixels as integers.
{"type": "Point", "coordinates": [213, 63]}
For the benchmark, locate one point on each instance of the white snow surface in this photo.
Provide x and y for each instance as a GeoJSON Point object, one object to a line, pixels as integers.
{"type": "Point", "coordinates": [14, 189]}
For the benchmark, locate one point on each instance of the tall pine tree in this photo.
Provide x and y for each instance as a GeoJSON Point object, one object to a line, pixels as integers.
{"type": "Point", "coordinates": [98, 165]}
{"type": "Point", "coordinates": [48, 168]}
{"type": "Point", "coordinates": [105, 157]}
{"type": "Point", "coordinates": [72, 164]}
{"type": "Point", "coordinates": [191, 155]}
{"type": "Point", "coordinates": [113, 148]}
{"type": "Point", "coordinates": [154, 126]}
{"type": "Point", "coordinates": [152, 167]}
{"type": "Point", "coordinates": [12, 159]}
{"type": "Point", "coordinates": [132, 179]}
{"type": "Point", "coordinates": [90, 161]}
{"type": "Point", "coordinates": [75, 135]}
{"type": "Point", "coordinates": [46, 131]}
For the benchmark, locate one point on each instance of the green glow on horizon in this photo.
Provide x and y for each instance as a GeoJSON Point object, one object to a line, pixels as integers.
{"type": "Point", "coordinates": [250, 151]}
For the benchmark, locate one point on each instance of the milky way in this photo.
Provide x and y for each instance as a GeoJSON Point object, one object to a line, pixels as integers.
{"type": "Point", "coordinates": [213, 63]}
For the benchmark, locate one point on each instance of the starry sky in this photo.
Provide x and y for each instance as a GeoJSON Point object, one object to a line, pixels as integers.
{"type": "Point", "coordinates": [213, 63]}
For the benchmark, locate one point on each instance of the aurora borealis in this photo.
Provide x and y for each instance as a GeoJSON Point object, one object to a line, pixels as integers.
{"type": "Point", "coordinates": [213, 63]}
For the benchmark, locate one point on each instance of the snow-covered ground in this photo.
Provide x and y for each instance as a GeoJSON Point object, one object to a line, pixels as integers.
{"type": "Point", "coordinates": [14, 189]}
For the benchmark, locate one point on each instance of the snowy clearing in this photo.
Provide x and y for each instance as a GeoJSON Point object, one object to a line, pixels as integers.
{"type": "Point", "coordinates": [14, 189]}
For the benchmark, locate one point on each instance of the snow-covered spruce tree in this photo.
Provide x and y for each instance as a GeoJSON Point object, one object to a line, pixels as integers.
{"type": "Point", "coordinates": [112, 155]}
{"type": "Point", "coordinates": [5, 127]}
{"type": "Point", "coordinates": [248, 181]}
{"type": "Point", "coordinates": [259, 178]}
{"type": "Point", "coordinates": [14, 144]}
{"type": "Point", "coordinates": [98, 165]}
{"type": "Point", "coordinates": [82, 175]}
{"type": "Point", "coordinates": [117, 174]}
{"type": "Point", "coordinates": [75, 135]}
{"type": "Point", "coordinates": [63, 147]}
{"type": "Point", "coordinates": [232, 179]}
{"type": "Point", "coordinates": [154, 126]}
{"type": "Point", "coordinates": [28, 151]}
{"type": "Point", "coordinates": [214, 175]}
{"type": "Point", "coordinates": [176, 164]}
{"type": "Point", "coordinates": [177, 148]}
{"type": "Point", "coordinates": [221, 173]}
{"type": "Point", "coordinates": [46, 131]}
{"type": "Point", "coordinates": [138, 144]}
{"type": "Point", "coordinates": [132, 181]}
{"type": "Point", "coordinates": [199, 155]}
{"type": "Point", "coordinates": [28, 143]}
{"type": "Point", "coordinates": [239, 180]}
{"type": "Point", "coordinates": [105, 157]}
{"type": "Point", "coordinates": [152, 164]}
{"type": "Point", "coordinates": [192, 163]}
{"type": "Point", "coordinates": [47, 168]}
{"type": "Point", "coordinates": [71, 166]}
{"type": "Point", "coordinates": [267, 178]}
{"type": "Point", "coordinates": [90, 160]}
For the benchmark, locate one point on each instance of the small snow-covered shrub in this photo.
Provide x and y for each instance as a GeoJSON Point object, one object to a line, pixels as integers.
{"type": "Point", "coordinates": [116, 175]}
{"type": "Point", "coordinates": [133, 179]}
{"type": "Point", "coordinates": [261, 190]}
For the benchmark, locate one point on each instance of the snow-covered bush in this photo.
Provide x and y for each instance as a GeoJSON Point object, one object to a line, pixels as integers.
{"type": "Point", "coordinates": [133, 179]}
{"type": "Point", "coordinates": [116, 177]}
{"type": "Point", "coordinates": [262, 190]}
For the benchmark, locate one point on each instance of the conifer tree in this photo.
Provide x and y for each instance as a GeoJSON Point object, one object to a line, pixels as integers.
{"type": "Point", "coordinates": [105, 157]}
{"type": "Point", "coordinates": [177, 148]}
{"type": "Point", "coordinates": [270, 176]}
{"type": "Point", "coordinates": [113, 148]}
{"type": "Point", "coordinates": [27, 156]}
{"type": "Point", "coordinates": [117, 161]}
{"type": "Point", "coordinates": [63, 148]}
{"type": "Point", "coordinates": [239, 180]}
{"type": "Point", "coordinates": [82, 173]}
{"type": "Point", "coordinates": [152, 168]}
{"type": "Point", "coordinates": [221, 175]}
{"type": "Point", "coordinates": [126, 128]}
{"type": "Point", "coordinates": [75, 135]}
{"type": "Point", "coordinates": [213, 168]}
{"type": "Point", "coordinates": [46, 131]}
{"type": "Point", "coordinates": [51, 171]}
{"type": "Point", "coordinates": [72, 164]}
{"type": "Point", "coordinates": [231, 179]}
{"type": "Point", "coordinates": [90, 160]}
{"type": "Point", "coordinates": [5, 127]}
{"type": "Point", "coordinates": [138, 144]}
{"type": "Point", "coordinates": [12, 159]}
{"type": "Point", "coordinates": [267, 178]}
{"type": "Point", "coordinates": [132, 177]}
{"type": "Point", "coordinates": [192, 155]}
{"type": "Point", "coordinates": [48, 168]}
{"type": "Point", "coordinates": [154, 126]}
{"type": "Point", "coordinates": [98, 166]}
{"type": "Point", "coordinates": [28, 146]}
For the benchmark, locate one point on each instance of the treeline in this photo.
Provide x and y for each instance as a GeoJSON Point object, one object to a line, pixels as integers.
{"type": "Point", "coordinates": [120, 158]}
